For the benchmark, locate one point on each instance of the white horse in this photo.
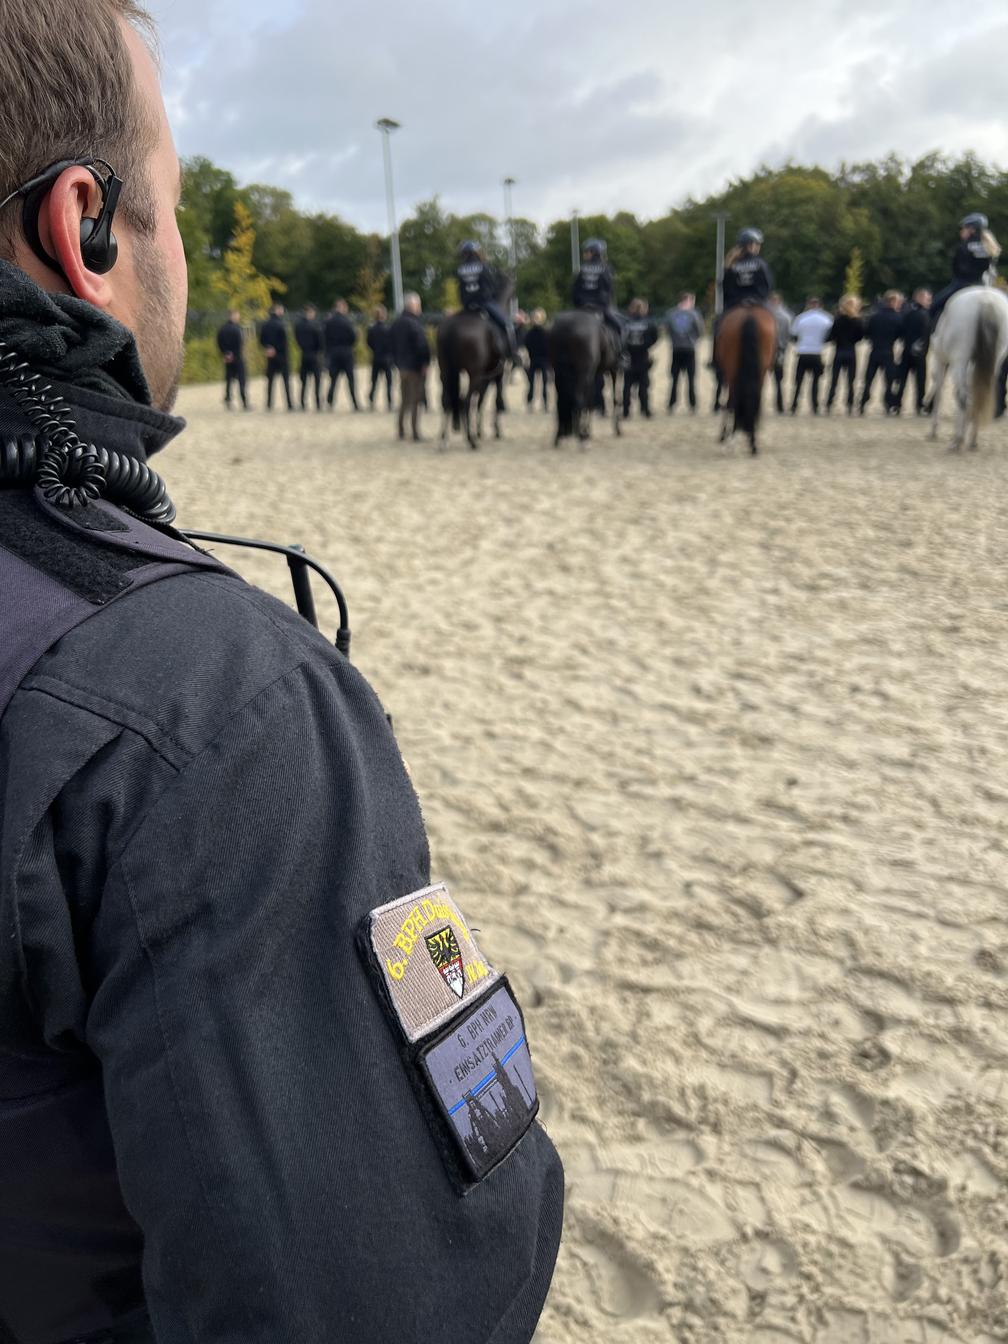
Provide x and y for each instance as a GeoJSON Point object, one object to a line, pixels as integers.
{"type": "Point", "coordinates": [971, 339]}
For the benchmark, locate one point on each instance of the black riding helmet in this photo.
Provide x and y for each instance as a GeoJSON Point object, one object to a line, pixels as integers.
{"type": "Point", "coordinates": [470, 249]}
{"type": "Point", "coordinates": [747, 237]}
{"type": "Point", "coordinates": [595, 248]}
{"type": "Point", "coordinates": [975, 221]}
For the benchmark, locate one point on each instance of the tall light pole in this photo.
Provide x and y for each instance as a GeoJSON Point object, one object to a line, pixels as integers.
{"type": "Point", "coordinates": [721, 217]}
{"type": "Point", "coordinates": [509, 182]}
{"type": "Point", "coordinates": [575, 243]}
{"type": "Point", "coordinates": [386, 125]}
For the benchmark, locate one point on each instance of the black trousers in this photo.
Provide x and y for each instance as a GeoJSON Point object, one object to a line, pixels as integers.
{"type": "Point", "coordinates": [342, 363]}
{"type": "Point", "coordinates": [235, 373]}
{"type": "Point", "coordinates": [311, 372]}
{"type": "Point", "coordinates": [1002, 391]}
{"type": "Point", "coordinates": [380, 370]}
{"type": "Point", "coordinates": [778, 374]}
{"type": "Point", "coordinates": [683, 363]}
{"type": "Point", "coordinates": [879, 361]}
{"type": "Point", "coordinates": [638, 376]}
{"type": "Point", "coordinates": [538, 369]}
{"type": "Point", "coordinates": [916, 365]}
{"type": "Point", "coordinates": [278, 368]}
{"type": "Point", "coordinates": [807, 365]}
{"type": "Point", "coordinates": [844, 361]}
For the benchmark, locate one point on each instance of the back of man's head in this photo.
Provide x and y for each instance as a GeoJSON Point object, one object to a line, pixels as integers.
{"type": "Point", "coordinates": [411, 303]}
{"type": "Point", "coordinates": [812, 302]}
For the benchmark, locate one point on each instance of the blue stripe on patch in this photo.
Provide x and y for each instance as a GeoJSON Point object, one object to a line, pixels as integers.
{"type": "Point", "coordinates": [482, 1086]}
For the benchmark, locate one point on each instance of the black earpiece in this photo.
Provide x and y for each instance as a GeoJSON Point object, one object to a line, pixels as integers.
{"type": "Point", "coordinates": [99, 248]}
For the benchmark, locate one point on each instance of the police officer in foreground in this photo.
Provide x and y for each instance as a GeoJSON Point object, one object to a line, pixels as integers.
{"type": "Point", "coordinates": [258, 1080]}
{"type": "Point", "coordinates": [972, 261]}
{"type": "Point", "coordinates": [231, 344]}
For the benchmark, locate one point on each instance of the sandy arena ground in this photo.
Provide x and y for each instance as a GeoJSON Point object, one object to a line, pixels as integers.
{"type": "Point", "coordinates": [716, 752]}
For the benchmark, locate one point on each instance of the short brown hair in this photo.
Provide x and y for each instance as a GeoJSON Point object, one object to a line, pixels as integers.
{"type": "Point", "coordinates": [69, 92]}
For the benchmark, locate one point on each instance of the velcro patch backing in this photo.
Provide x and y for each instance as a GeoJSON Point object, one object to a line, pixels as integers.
{"type": "Point", "coordinates": [428, 959]}
{"type": "Point", "coordinates": [480, 1071]}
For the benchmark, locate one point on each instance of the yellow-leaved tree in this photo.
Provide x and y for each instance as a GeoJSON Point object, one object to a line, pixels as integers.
{"type": "Point", "coordinates": [238, 282]}
{"type": "Point", "coordinates": [854, 274]}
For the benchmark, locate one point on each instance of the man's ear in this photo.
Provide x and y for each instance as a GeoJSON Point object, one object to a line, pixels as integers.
{"type": "Point", "coordinates": [74, 195]}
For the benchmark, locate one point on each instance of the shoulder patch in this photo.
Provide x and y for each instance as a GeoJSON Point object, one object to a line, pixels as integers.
{"type": "Point", "coordinates": [460, 1031]}
{"type": "Point", "coordinates": [428, 957]}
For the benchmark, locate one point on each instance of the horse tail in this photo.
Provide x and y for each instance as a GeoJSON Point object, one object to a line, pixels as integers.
{"type": "Point", "coordinates": [451, 399]}
{"type": "Point", "coordinates": [985, 351]}
{"type": "Point", "coordinates": [565, 382]}
{"type": "Point", "coordinates": [749, 381]}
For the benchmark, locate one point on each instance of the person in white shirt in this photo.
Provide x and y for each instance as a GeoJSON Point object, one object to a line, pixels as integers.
{"type": "Point", "coordinates": [809, 331]}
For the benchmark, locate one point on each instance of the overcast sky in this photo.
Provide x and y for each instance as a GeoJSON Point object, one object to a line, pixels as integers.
{"type": "Point", "coordinates": [633, 105]}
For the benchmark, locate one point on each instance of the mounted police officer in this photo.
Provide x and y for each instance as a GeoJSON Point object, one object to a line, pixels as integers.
{"type": "Point", "coordinates": [478, 286]}
{"type": "Point", "coordinates": [594, 285]}
{"type": "Point", "coordinates": [747, 277]}
{"type": "Point", "coordinates": [972, 262]}
{"type": "Point", "coordinates": [235, 1015]}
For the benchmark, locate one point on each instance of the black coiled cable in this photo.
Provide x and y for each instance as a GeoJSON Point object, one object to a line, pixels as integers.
{"type": "Point", "coordinates": [68, 471]}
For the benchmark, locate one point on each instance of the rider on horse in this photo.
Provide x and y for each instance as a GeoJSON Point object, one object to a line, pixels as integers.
{"type": "Point", "coordinates": [747, 277]}
{"type": "Point", "coordinates": [593, 286]}
{"type": "Point", "coordinates": [972, 262]}
{"type": "Point", "coordinates": [478, 291]}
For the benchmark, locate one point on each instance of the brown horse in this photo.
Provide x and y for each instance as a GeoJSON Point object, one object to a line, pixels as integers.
{"type": "Point", "coordinates": [744, 353]}
{"type": "Point", "coordinates": [470, 343]}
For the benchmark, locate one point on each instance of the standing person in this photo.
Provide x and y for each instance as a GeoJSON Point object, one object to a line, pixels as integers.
{"type": "Point", "coordinates": [225, 1082]}
{"type": "Point", "coordinates": [847, 330]}
{"type": "Point", "coordinates": [809, 331]}
{"type": "Point", "coordinates": [536, 344]}
{"type": "Point", "coordinates": [382, 361]}
{"type": "Point", "coordinates": [972, 262]}
{"type": "Point", "coordinates": [915, 333]}
{"type": "Point", "coordinates": [273, 339]}
{"type": "Point", "coordinates": [641, 337]}
{"type": "Point", "coordinates": [308, 335]}
{"type": "Point", "coordinates": [411, 352]}
{"type": "Point", "coordinates": [685, 327]}
{"type": "Point", "coordinates": [884, 328]}
{"type": "Point", "coordinates": [340, 340]}
{"type": "Point", "coordinates": [783, 316]}
{"type": "Point", "coordinates": [231, 344]}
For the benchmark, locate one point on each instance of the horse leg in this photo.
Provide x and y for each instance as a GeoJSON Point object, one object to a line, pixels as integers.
{"type": "Point", "coordinates": [962, 401]}
{"type": "Point", "coordinates": [940, 370]}
{"type": "Point", "coordinates": [467, 418]}
{"type": "Point", "coordinates": [617, 427]}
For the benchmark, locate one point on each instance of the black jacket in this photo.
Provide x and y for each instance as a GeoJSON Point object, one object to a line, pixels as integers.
{"type": "Point", "coordinates": [885, 327]}
{"type": "Point", "coordinates": [971, 261]}
{"type": "Point", "coordinates": [379, 343]}
{"type": "Point", "coordinates": [477, 284]}
{"type": "Point", "coordinates": [340, 335]}
{"type": "Point", "coordinates": [409, 343]}
{"type": "Point", "coordinates": [846, 332]}
{"type": "Point", "coordinates": [593, 285]}
{"type": "Point", "coordinates": [308, 335]}
{"type": "Point", "coordinates": [200, 800]}
{"type": "Point", "coordinates": [230, 339]}
{"type": "Point", "coordinates": [747, 278]}
{"type": "Point", "coordinates": [915, 330]}
{"type": "Point", "coordinates": [537, 345]}
{"type": "Point", "coordinates": [641, 335]}
{"type": "Point", "coordinates": [274, 333]}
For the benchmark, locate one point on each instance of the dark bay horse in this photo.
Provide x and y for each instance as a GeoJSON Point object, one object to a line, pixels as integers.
{"type": "Point", "coordinates": [469, 343]}
{"type": "Point", "coordinates": [744, 353]}
{"type": "Point", "coordinates": [583, 351]}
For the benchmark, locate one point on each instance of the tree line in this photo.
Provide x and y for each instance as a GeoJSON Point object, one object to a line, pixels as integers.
{"type": "Point", "coordinates": [897, 220]}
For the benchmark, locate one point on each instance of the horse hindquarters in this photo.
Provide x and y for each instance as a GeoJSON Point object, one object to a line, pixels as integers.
{"type": "Point", "coordinates": [985, 367]}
